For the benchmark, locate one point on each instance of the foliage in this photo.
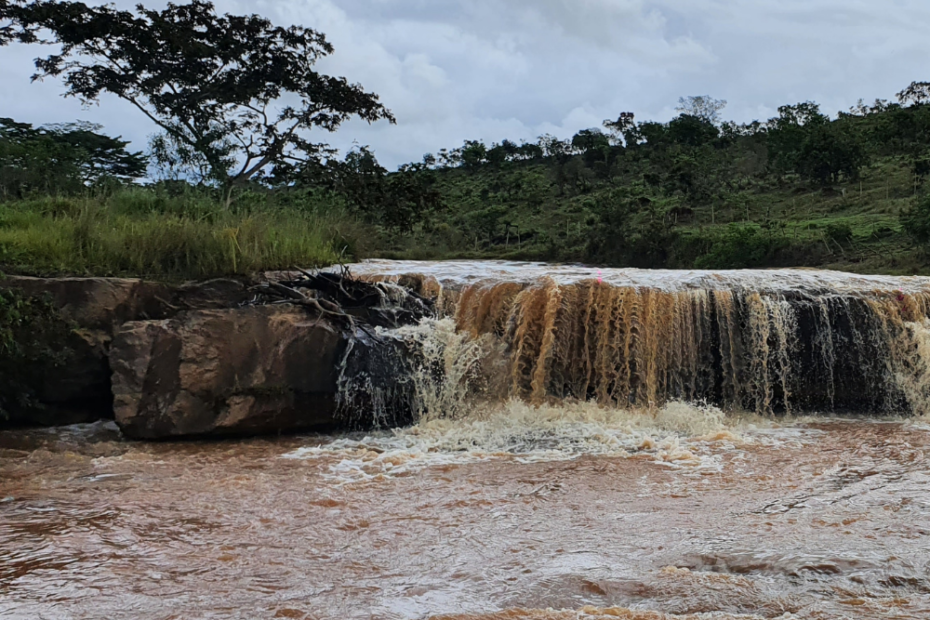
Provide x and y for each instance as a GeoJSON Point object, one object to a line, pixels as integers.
{"type": "Point", "coordinates": [64, 158]}
{"type": "Point", "coordinates": [740, 246]}
{"type": "Point", "coordinates": [916, 222]}
{"type": "Point", "coordinates": [703, 107]}
{"type": "Point", "coordinates": [215, 84]}
{"type": "Point", "coordinates": [918, 93]}
{"type": "Point", "coordinates": [799, 189]}
{"type": "Point", "coordinates": [33, 343]}
{"type": "Point", "coordinates": [395, 201]}
{"type": "Point", "coordinates": [830, 152]}
{"type": "Point", "coordinates": [692, 130]}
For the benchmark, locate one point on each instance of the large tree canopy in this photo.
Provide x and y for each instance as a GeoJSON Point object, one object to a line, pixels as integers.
{"type": "Point", "coordinates": [237, 90]}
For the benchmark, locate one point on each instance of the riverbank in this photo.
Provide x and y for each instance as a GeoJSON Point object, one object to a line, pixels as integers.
{"type": "Point", "coordinates": [145, 233]}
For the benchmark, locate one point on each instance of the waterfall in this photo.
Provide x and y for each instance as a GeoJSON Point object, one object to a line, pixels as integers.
{"type": "Point", "coordinates": [786, 341]}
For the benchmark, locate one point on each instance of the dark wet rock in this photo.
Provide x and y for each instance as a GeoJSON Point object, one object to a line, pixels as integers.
{"type": "Point", "coordinates": [79, 391]}
{"type": "Point", "coordinates": [98, 303]}
{"type": "Point", "coordinates": [240, 371]}
{"type": "Point", "coordinates": [375, 385]}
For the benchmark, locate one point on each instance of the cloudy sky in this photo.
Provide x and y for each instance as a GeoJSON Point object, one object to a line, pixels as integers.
{"type": "Point", "coordinates": [452, 70]}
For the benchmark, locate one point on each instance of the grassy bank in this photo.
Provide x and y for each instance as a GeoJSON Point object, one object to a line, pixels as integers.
{"type": "Point", "coordinates": [519, 211]}
{"type": "Point", "coordinates": [141, 232]}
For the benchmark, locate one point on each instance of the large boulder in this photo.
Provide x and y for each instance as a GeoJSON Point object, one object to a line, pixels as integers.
{"type": "Point", "coordinates": [240, 371]}
{"type": "Point", "coordinates": [81, 391]}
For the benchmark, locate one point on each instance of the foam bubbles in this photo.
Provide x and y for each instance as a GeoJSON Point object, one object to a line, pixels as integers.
{"type": "Point", "coordinates": [678, 435]}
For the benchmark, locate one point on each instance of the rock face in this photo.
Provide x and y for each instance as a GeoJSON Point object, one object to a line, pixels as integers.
{"type": "Point", "coordinates": [81, 391]}
{"type": "Point", "coordinates": [102, 303]}
{"type": "Point", "coordinates": [226, 372]}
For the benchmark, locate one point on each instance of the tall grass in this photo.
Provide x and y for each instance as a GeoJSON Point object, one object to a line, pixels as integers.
{"type": "Point", "coordinates": [140, 232]}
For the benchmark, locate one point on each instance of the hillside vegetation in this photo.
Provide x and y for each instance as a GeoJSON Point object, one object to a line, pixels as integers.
{"type": "Point", "coordinates": [800, 190]}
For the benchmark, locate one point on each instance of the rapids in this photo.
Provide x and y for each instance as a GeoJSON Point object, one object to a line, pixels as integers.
{"type": "Point", "coordinates": [584, 444]}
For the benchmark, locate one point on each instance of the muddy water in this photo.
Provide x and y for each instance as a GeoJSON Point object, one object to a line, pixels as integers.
{"type": "Point", "coordinates": [593, 514]}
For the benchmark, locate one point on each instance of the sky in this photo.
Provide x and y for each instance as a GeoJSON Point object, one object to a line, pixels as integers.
{"type": "Point", "coordinates": [456, 70]}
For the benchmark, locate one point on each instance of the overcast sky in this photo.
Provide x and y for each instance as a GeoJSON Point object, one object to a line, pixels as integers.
{"type": "Point", "coordinates": [452, 70]}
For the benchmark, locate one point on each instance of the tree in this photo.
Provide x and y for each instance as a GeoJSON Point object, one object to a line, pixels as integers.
{"type": "Point", "coordinates": [829, 152]}
{"type": "Point", "coordinates": [63, 158]}
{"type": "Point", "coordinates": [528, 150]}
{"type": "Point", "coordinates": [918, 93]}
{"type": "Point", "coordinates": [593, 144]}
{"type": "Point", "coordinates": [589, 139]}
{"type": "Point", "coordinates": [213, 83]}
{"type": "Point", "coordinates": [702, 106]}
{"type": "Point", "coordinates": [803, 140]}
{"type": "Point", "coordinates": [174, 160]}
{"type": "Point", "coordinates": [553, 147]}
{"type": "Point", "coordinates": [789, 131]}
{"type": "Point", "coordinates": [473, 154]}
{"type": "Point", "coordinates": [692, 130]}
{"type": "Point", "coordinates": [397, 201]}
{"type": "Point", "coordinates": [620, 127]}
{"type": "Point", "coordinates": [799, 115]}
{"type": "Point", "coordinates": [98, 156]}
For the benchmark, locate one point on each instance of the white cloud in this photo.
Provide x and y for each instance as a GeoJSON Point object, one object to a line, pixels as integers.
{"type": "Point", "coordinates": [492, 69]}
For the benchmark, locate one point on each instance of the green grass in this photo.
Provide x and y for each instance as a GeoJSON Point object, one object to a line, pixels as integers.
{"type": "Point", "coordinates": [140, 233]}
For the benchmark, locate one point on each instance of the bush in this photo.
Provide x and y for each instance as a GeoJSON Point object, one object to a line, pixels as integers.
{"type": "Point", "coordinates": [916, 221]}
{"type": "Point", "coordinates": [839, 231]}
{"type": "Point", "coordinates": [33, 343]}
{"type": "Point", "coordinates": [742, 246]}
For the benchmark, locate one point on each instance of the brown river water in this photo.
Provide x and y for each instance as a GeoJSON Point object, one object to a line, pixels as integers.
{"type": "Point", "coordinates": [555, 470]}
{"type": "Point", "coordinates": [816, 519]}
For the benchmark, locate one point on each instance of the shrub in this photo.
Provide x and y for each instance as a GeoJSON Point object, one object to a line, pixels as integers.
{"type": "Point", "coordinates": [742, 246]}
{"type": "Point", "coordinates": [839, 231]}
{"type": "Point", "coordinates": [916, 221]}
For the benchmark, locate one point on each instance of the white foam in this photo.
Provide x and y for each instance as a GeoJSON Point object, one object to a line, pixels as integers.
{"type": "Point", "coordinates": [680, 435]}
{"type": "Point", "coordinates": [463, 272]}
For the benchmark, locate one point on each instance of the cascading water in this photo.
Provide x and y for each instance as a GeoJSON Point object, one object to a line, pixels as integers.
{"type": "Point", "coordinates": [762, 341]}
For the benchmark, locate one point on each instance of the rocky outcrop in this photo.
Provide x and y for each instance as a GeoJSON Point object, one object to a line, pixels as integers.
{"type": "Point", "coordinates": [220, 357]}
{"type": "Point", "coordinates": [238, 371]}
{"type": "Point", "coordinates": [80, 391]}
{"type": "Point", "coordinates": [103, 303]}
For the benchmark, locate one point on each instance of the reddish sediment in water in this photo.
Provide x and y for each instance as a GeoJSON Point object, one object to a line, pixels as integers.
{"type": "Point", "coordinates": [819, 520]}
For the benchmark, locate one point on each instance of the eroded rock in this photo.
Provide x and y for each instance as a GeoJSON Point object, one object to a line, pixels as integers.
{"type": "Point", "coordinates": [80, 391]}
{"type": "Point", "coordinates": [237, 371]}
{"type": "Point", "coordinates": [103, 303]}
